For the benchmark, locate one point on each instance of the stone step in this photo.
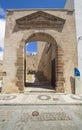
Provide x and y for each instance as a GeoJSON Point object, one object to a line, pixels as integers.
{"type": "Point", "coordinates": [39, 84]}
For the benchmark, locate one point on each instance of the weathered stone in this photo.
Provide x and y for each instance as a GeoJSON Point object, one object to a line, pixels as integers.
{"type": "Point", "coordinates": [19, 83]}
{"type": "Point", "coordinates": [20, 77]}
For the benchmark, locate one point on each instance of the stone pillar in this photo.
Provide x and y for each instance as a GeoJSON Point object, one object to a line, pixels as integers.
{"type": "Point", "coordinates": [60, 71]}
{"type": "Point", "coordinates": [20, 68]}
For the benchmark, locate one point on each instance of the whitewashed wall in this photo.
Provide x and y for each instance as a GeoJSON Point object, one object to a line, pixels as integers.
{"type": "Point", "coordinates": [78, 15]}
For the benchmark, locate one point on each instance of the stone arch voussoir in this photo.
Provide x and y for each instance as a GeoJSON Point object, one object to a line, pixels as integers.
{"type": "Point", "coordinates": [21, 60]}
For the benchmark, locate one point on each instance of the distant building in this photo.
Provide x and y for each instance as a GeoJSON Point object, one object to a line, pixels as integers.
{"type": "Point", "coordinates": [69, 4]}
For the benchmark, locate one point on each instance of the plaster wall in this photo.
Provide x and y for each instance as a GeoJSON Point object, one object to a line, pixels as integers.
{"type": "Point", "coordinates": [78, 16]}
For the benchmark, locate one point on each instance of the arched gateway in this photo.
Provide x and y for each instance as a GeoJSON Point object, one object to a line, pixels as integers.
{"type": "Point", "coordinates": [56, 28]}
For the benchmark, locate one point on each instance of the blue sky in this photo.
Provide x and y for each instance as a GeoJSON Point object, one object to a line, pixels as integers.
{"type": "Point", "coordinates": [17, 4]}
{"type": "Point", "coordinates": [31, 47]}
{"type": "Point", "coordinates": [32, 3]}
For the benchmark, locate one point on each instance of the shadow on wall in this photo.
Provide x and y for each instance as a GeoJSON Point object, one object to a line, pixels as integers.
{"type": "Point", "coordinates": [72, 81]}
{"type": "Point", "coordinates": [45, 61]}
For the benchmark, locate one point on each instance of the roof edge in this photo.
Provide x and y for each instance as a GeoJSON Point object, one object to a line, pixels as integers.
{"type": "Point", "coordinates": [37, 9]}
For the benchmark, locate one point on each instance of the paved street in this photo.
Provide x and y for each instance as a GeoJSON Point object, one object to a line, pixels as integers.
{"type": "Point", "coordinates": [35, 98]}
{"type": "Point", "coordinates": [41, 117]}
{"type": "Point", "coordinates": [40, 111]}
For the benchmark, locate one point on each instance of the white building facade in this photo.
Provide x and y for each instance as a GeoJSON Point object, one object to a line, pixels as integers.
{"type": "Point", "coordinates": [77, 5]}
{"type": "Point", "coordinates": [78, 12]}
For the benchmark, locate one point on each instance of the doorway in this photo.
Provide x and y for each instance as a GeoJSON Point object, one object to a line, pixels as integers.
{"type": "Point", "coordinates": [39, 68]}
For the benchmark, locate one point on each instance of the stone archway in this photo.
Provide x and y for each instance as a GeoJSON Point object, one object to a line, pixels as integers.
{"type": "Point", "coordinates": [40, 36]}
{"type": "Point", "coordinates": [54, 26]}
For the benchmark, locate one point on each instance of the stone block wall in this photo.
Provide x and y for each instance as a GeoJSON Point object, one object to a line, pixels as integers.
{"type": "Point", "coordinates": [56, 26]}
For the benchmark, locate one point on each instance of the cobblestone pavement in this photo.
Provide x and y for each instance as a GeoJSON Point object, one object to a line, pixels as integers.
{"type": "Point", "coordinates": [41, 117]}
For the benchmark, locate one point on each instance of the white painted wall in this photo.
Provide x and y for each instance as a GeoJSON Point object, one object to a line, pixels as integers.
{"type": "Point", "coordinates": [69, 4]}
{"type": "Point", "coordinates": [78, 15]}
